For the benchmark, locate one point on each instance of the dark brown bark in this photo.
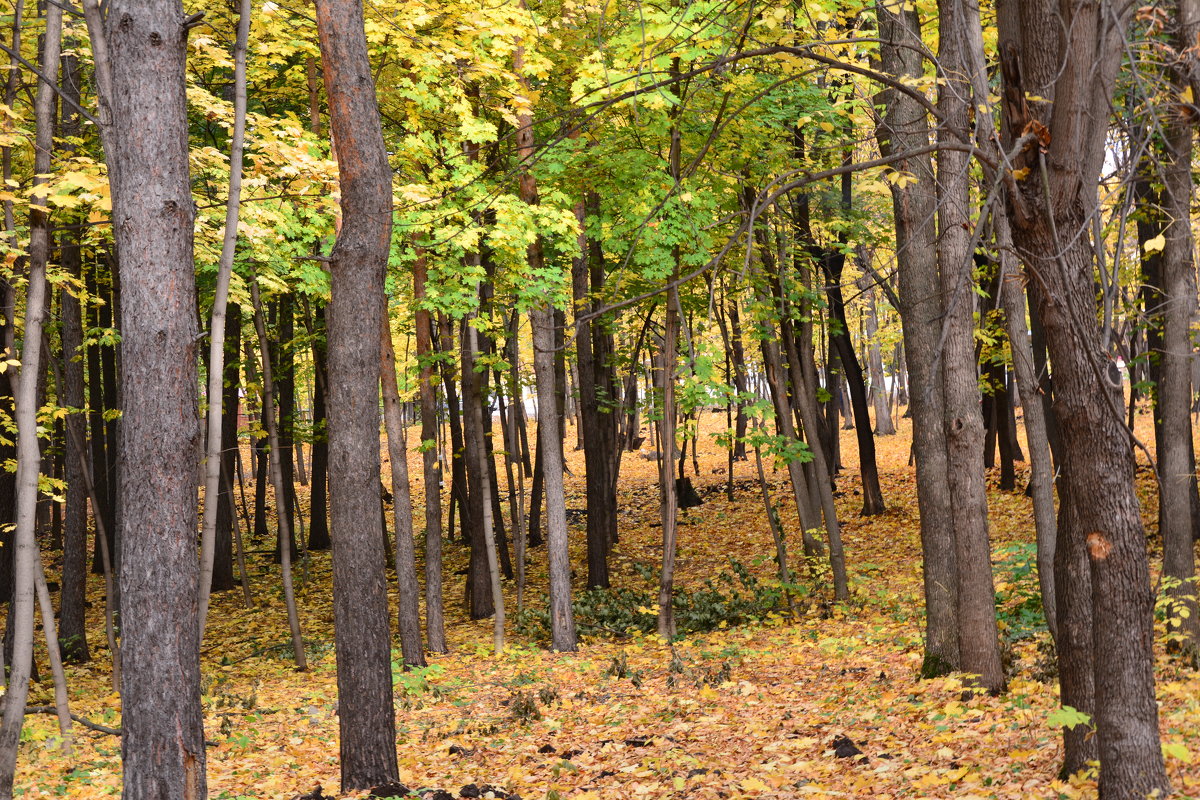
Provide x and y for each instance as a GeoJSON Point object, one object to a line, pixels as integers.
{"type": "Point", "coordinates": [72, 630]}
{"type": "Point", "coordinates": [222, 576]}
{"type": "Point", "coordinates": [162, 742]}
{"type": "Point", "coordinates": [318, 506]}
{"type": "Point", "coordinates": [596, 405]}
{"type": "Point", "coordinates": [833, 263]}
{"type": "Point", "coordinates": [479, 583]}
{"type": "Point", "coordinates": [432, 472]}
{"type": "Point", "coordinates": [1099, 521]}
{"type": "Point", "coordinates": [357, 264]}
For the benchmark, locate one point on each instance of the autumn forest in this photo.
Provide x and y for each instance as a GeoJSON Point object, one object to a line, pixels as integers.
{"type": "Point", "coordinates": [575, 399]}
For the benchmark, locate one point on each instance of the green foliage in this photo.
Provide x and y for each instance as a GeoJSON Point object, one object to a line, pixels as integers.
{"type": "Point", "coordinates": [1069, 718]}
{"type": "Point", "coordinates": [1019, 610]}
{"type": "Point", "coordinates": [733, 597]}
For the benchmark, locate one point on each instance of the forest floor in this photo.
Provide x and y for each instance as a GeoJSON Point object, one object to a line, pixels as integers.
{"type": "Point", "coordinates": [758, 710]}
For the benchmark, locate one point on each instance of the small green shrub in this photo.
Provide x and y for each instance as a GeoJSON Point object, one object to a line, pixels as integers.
{"type": "Point", "coordinates": [733, 597]}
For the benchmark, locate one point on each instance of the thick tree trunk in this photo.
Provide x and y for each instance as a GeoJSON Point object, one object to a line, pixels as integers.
{"type": "Point", "coordinates": [904, 127]}
{"type": "Point", "coordinates": [1099, 521]}
{"type": "Point", "coordinates": [978, 637]}
{"type": "Point", "coordinates": [366, 715]}
{"type": "Point", "coordinates": [162, 742]}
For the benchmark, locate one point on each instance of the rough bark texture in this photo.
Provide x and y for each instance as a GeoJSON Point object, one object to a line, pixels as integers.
{"type": "Point", "coordinates": [1075, 65]}
{"type": "Point", "coordinates": [904, 127]}
{"type": "Point", "coordinates": [162, 745]}
{"type": "Point", "coordinates": [366, 715]}
{"type": "Point", "coordinates": [978, 639]}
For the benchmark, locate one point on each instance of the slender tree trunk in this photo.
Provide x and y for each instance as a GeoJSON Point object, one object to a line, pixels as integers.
{"type": "Point", "coordinates": [480, 595]}
{"type": "Point", "coordinates": [72, 630]}
{"type": "Point", "coordinates": [26, 557]}
{"type": "Point", "coordinates": [217, 330]}
{"type": "Point", "coordinates": [277, 481]}
{"type": "Point", "coordinates": [1176, 462]}
{"type": "Point", "coordinates": [879, 394]}
{"type": "Point", "coordinates": [477, 456]}
{"type": "Point", "coordinates": [409, 591]}
{"type": "Point", "coordinates": [595, 410]}
{"type": "Point", "coordinates": [548, 367]}
{"type": "Point", "coordinates": [357, 265]}
{"type": "Point", "coordinates": [1041, 470]}
{"type": "Point", "coordinates": [222, 576]}
{"type": "Point", "coordinates": [434, 626]}
{"type": "Point", "coordinates": [318, 514]}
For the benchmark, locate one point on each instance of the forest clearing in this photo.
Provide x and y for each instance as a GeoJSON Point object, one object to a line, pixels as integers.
{"type": "Point", "coordinates": [756, 710]}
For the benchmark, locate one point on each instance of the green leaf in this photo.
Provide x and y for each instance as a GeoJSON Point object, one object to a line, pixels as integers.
{"type": "Point", "coordinates": [1069, 718]}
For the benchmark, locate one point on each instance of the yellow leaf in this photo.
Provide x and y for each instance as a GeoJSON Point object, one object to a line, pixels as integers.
{"type": "Point", "coordinates": [1156, 244]}
{"type": "Point", "coordinates": [753, 785]}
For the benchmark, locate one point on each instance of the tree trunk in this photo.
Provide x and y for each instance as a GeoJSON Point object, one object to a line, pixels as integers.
{"type": "Point", "coordinates": [26, 563]}
{"type": "Point", "coordinates": [435, 632]}
{"type": "Point", "coordinates": [217, 352]}
{"type": "Point", "coordinates": [318, 505]}
{"type": "Point", "coordinates": [1099, 522]}
{"type": "Point", "coordinates": [595, 407]}
{"type": "Point", "coordinates": [366, 715]}
{"type": "Point", "coordinates": [408, 590]}
{"type": "Point", "coordinates": [480, 596]}
{"type": "Point", "coordinates": [269, 420]}
{"type": "Point", "coordinates": [879, 393]}
{"type": "Point", "coordinates": [904, 127]}
{"type": "Point", "coordinates": [1176, 463]}
{"type": "Point", "coordinates": [978, 637]}
{"type": "Point", "coordinates": [162, 742]}
{"type": "Point", "coordinates": [72, 631]}
{"type": "Point", "coordinates": [222, 574]}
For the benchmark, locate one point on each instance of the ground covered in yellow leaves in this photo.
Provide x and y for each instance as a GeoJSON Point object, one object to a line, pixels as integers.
{"type": "Point", "coordinates": [826, 704]}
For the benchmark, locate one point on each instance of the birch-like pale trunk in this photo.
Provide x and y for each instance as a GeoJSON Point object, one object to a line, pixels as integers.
{"type": "Point", "coordinates": [26, 555]}
{"type": "Point", "coordinates": [216, 347]}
